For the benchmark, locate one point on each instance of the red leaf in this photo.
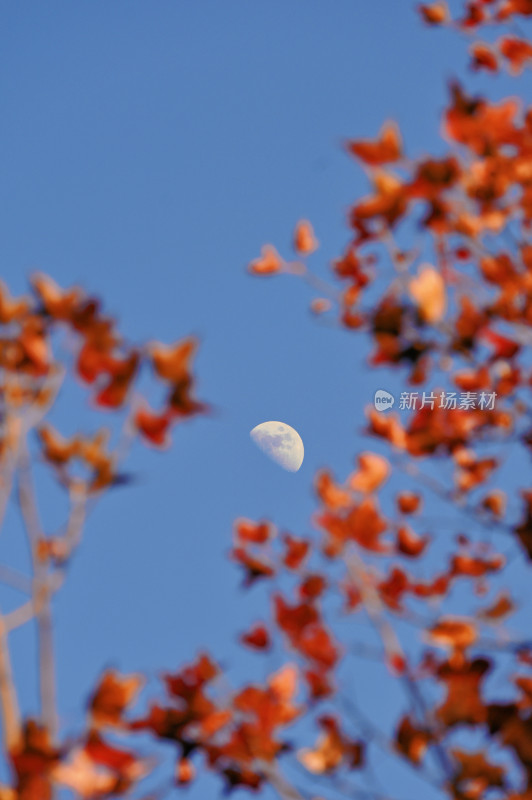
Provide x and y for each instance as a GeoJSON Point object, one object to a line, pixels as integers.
{"type": "Point", "coordinates": [257, 638]}
{"type": "Point", "coordinates": [385, 150]}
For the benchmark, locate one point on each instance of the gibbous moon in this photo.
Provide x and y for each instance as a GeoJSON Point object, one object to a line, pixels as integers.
{"type": "Point", "coordinates": [281, 443]}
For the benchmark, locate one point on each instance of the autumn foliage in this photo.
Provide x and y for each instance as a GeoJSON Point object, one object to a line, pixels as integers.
{"type": "Point", "coordinates": [416, 556]}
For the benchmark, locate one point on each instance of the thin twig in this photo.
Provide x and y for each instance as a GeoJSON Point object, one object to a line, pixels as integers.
{"type": "Point", "coordinates": [76, 521]}
{"type": "Point", "coordinates": [284, 789]}
{"type": "Point", "coordinates": [375, 611]}
{"type": "Point", "coordinates": [14, 579]}
{"type": "Point", "coordinates": [19, 617]}
{"type": "Point", "coordinates": [41, 593]}
{"type": "Point", "coordinates": [27, 611]}
{"type": "Point", "coordinates": [11, 440]}
{"type": "Point", "coordinates": [8, 697]}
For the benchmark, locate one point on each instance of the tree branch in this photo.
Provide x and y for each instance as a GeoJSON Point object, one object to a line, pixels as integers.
{"type": "Point", "coordinates": [375, 611]}
{"type": "Point", "coordinates": [8, 698]}
{"type": "Point", "coordinates": [41, 593]}
{"type": "Point", "coordinates": [284, 789]}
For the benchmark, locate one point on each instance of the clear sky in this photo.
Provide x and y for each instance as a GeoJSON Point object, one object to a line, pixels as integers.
{"type": "Point", "coordinates": [147, 151]}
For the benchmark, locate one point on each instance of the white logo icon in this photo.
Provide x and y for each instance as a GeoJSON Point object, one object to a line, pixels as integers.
{"type": "Point", "coordinates": [383, 400]}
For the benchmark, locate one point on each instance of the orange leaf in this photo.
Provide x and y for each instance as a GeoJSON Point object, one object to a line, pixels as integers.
{"type": "Point", "coordinates": [255, 568]}
{"type": "Point", "coordinates": [312, 587]}
{"type": "Point", "coordinates": [283, 685]}
{"type": "Point", "coordinates": [92, 361]}
{"type": "Point", "coordinates": [316, 644]}
{"type": "Point", "coordinates": [56, 448]}
{"type": "Point", "coordinates": [495, 502]}
{"type": "Point", "coordinates": [479, 125]}
{"type": "Point", "coordinates": [389, 201]}
{"type": "Point", "coordinates": [502, 607]}
{"type": "Point", "coordinates": [305, 241]}
{"type": "Point", "coordinates": [476, 566]}
{"type": "Point", "coordinates": [332, 750]}
{"type": "Point", "coordinates": [412, 741]}
{"type": "Point", "coordinates": [363, 524]}
{"type": "Point", "coordinates": [112, 697]}
{"type": "Point", "coordinates": [483, 57]}
{"type": "Point", "coordinates": [255, 532]}
{"type": "Point", "coordinates": [453, 632]}
{"type": "Point", "coordinates": [393, 588]}
{"type": "Point", "coordinates": [269, 262]}
{"type": "Point", "coordinates": [387, 426]}
{"type": "Point", "coordinates": [173, 363]}
{"type": "Point", "coordinates": [385, 150]}
{"type": "Point", "coordinates": [330, 494]}
{"type": "Point", "coordinates": [35, 346]}
{"type": "Point", "coordinates": [292, 620]}
{"type": "Point", "coordinates": [409, 543]}
{"type": "Point", "coordinates": [33, 760]}
{"type": "Point", "coordinates": [463, 703]}
{"type": "Point", "coordinates": [185, 772]}
{"type": "Point", "coordinates": [351, 267]}
{"type": "Point", "coordinates": [428, 291]}
{"type": "Point", "coordinates": [373, 471]}
{"type": "Point", "coordinates": [408, 502]}
{"type": "Point", "coordinates": [435, 13]}
{"type": "Point", "coordinates": [318, 684]}
{"type": "Point", "coordinates": [476, 774]}
{"type": "Point", "coordinates": [11, 309]}
{"type": "Point", "coordinates": [257, 638]}
{"type": "Point", "coordinates": [154, 428]}
{"type": "Point", "coordinates": [57, 303]}
{"type": "Point", "coordinates": [517, 51]}
{"type": "Point", "coordinates": [435, 588]}
{"type": "Point", "coordinates": [121, 375]}
{"type": "Point", "coordinates": [320, 305]}
{"type": "Point", "coordinates": [296, 551]}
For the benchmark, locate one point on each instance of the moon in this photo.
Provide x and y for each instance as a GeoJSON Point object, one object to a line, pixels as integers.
{"type": "Point", "coordinates": [281, 443]}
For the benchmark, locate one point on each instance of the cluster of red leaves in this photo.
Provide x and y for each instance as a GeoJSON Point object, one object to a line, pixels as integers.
{"type": "Point", "coordinates": [103, 361]}
{"type": "Point", "coordinates": [460, 199]}
{"type": "Point", "coordinates": [33, 332]}
{"type": "Point", "coordinates": [235, 734]}
{"type": "Point", "coordinates": [93, 766]}
{"type": "Point", "coordinates": [173, 366]}
{"type": "Point", "coordinates": [304, 243]}
{"type": "Point", "coordinates": [350, 516]}
{"type": "Point", "coordinates": [511, 52]}
{"type": "Point", "coordinates": [90, 451]}
{"type": "Point", "coordinates": [301, 623]}
{"type": "Point", "coordinates": [464, 197]}
{"type": "Point", "coordinates": [333, 749]}
{"type": "Point", "coordinates": [477, 13]}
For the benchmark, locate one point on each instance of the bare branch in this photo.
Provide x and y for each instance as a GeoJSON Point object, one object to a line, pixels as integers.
{"type": "Point", "coordinates": [375, 611]}
{"type": "Point", "coordinates": [14, 579]}
{"type": "Point", "coordinates": [284, 789]}
{"type": "Point", "coordinates": [20, 616]}
{"type": "Point", "coordinates": [41, 593]}
{"type": "Point", "coordinates": [8, 698]}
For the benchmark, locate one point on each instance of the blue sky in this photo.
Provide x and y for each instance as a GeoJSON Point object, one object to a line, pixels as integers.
{"type": "Point", "coordinates": [147, 152]}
